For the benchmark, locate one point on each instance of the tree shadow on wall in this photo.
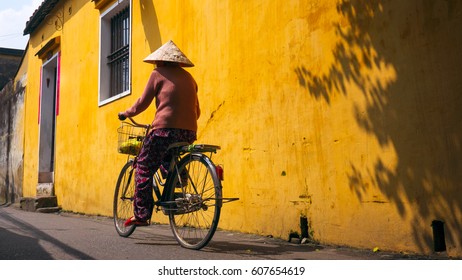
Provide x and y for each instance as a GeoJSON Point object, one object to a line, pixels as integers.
{"type": "Point", "coordinates": [416, 113]}
{"type": "Point", "coordinates": [150, 24]}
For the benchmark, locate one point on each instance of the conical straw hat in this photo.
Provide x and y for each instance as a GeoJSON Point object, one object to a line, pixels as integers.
{"type": "Point", "coordinates": [169, 52]}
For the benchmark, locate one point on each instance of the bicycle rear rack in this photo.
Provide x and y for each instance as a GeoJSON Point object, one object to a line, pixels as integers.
{"type": "Point", "coordinates": [185, 147]}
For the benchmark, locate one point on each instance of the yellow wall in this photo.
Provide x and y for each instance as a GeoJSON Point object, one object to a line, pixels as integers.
{"type": "Point", "coordinates": [341, 111]}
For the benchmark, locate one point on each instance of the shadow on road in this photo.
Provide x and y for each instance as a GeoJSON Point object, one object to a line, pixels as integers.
{"type": "Point", "coordinates": [16, 243]}
{"type": "Point", "coordinates": [18, 247]}
{"type": "Point", "coordinates": [261, 250]}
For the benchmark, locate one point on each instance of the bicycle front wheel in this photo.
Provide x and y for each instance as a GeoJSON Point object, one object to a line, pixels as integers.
{"type": "Point", "coordinates": [197, 195]}
{"type": "Point", "coordinates": [123, 200]}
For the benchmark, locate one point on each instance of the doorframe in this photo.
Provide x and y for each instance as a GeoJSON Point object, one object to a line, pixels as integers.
{"type": "Point", "coordinates": [49, 77]}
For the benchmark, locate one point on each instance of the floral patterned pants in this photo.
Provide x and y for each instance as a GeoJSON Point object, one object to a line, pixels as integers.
{"type": "Point", "coordinates": [152, 156]}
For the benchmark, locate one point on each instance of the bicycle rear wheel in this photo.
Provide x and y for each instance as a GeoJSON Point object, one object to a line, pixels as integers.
{"type": "Point", "coordinates": [197, 193]}
{"type": "Point", "coordinates": [123, 200]}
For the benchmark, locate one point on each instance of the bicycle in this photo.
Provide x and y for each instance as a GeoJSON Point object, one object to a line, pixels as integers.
{"type": "Point", "coordinates": [190, 193]}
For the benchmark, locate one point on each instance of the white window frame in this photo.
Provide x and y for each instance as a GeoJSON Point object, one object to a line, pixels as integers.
{"type": "Point", "coordinates": [104, 71]}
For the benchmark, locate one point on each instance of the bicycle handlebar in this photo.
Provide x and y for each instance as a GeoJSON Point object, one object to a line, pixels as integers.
{"type": "Point", "coordinates": [122, 118]}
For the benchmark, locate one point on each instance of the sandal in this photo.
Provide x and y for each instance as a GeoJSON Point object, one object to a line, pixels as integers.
{"type": "Point", "coordinates": [134, 222]}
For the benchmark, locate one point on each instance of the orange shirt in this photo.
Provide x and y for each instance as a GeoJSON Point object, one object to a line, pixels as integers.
{"type": "Point", "coordinates": [177, 103]}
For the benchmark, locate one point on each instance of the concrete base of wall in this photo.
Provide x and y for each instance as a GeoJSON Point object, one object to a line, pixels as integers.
{"type": "Point", "coordinates": [43, 204]}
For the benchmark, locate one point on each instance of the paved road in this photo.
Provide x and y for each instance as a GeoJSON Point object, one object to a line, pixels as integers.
{"type": "Point", "coordinates": [38, 236]}
{"type": "Point", "coordinates": [64, 236]}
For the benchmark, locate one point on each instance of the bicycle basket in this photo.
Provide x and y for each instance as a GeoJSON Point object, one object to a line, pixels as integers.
{"type": "Point", "coordinates": [130, 139]}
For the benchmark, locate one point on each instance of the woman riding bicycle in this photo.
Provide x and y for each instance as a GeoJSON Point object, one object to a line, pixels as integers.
{"type": "Point", "coordinates": [177, 111]}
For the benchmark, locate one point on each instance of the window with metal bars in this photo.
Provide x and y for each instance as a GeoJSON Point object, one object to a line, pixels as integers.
{"type": "Point", "coordinates": [118, 59]}
{"type": "Point", "coordinates": [115, 49]}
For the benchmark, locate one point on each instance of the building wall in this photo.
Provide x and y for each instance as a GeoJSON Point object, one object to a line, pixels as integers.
{"type": "Point", "coordinates": [11, 139]}
{"type": "Point", "coordinates": [9, 61]}
{"type": "Point", "coordinates": [343, 112]}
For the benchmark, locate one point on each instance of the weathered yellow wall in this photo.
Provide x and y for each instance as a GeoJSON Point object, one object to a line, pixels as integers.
{"type": "Point", "coordinates": [345, 112]}
{"type": "Point", "coordinates": [31, 101]}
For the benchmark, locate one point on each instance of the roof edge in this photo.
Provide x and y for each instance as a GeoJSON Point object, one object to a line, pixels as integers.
{"type": "Point", "coordinates": [39, 15]}
{"type": "Point", "coordinates": [13, 52]}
